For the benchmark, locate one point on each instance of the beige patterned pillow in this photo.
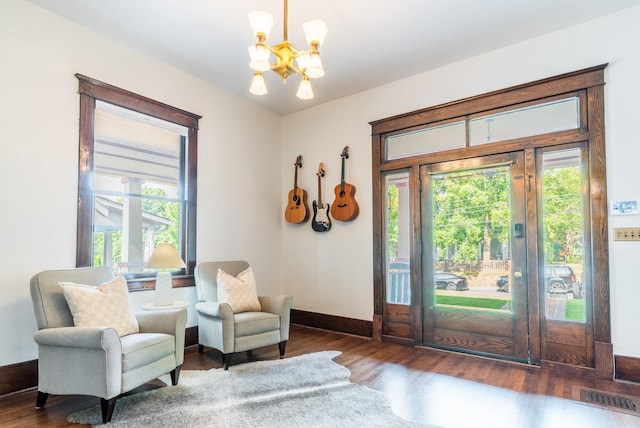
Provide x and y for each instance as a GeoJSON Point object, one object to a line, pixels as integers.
{"type": "Point", "coordinates": [106, 305]}
{"type": "Point", "coordinates": [239, 292]}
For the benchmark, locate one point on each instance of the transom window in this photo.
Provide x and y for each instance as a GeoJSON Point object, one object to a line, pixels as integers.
{"type": "Point", "coordinates": [540, 117]}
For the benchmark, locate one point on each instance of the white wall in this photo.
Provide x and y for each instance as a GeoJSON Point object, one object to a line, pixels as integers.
{"type": "Point", "coordinates": [238, 171]}
{"type": "Point", "coordinates": [245, 171]}
{"type": "Point", "coordinates": [332, 272]}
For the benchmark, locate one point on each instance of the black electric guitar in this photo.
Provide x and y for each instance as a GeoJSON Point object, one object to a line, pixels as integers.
{"type": "Point", "coordinates": [320, 221]}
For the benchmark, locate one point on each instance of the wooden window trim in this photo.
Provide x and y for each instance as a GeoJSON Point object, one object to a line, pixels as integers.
{"type": "Point", "coordinates": [91, 90]}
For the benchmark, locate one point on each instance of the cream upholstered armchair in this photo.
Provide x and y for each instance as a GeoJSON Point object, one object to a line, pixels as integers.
{"type": "Point", "coordinates": [97, 361]}
{"type": "Point", "coordinates": [224, 325]}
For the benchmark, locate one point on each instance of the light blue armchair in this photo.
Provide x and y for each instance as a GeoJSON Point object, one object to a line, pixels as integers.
{"type": "Point", "coordinates": [220, 328]}
{"type": "Point", "coordinates": [95, 360]}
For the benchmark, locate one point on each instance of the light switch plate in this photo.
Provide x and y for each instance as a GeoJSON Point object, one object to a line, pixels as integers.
{"type": "Point", "coordinates": [626, 233]}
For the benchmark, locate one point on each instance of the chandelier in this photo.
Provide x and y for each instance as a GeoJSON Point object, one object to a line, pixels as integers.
{"type": "Point", "coordinates": [307, 62]}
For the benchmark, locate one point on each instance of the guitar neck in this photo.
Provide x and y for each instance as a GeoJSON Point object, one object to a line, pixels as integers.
{"type": "Point", "coordinates": [342, 175]}
{"type": "Point", "coordinates": [319, 191]}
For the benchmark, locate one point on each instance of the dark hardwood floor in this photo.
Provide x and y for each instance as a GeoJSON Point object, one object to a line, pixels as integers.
{"type": "Point", "coordinates": [424, 385]}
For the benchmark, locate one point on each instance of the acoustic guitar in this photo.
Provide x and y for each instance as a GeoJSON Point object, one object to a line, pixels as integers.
{"type": "Point", "coordinates": [320, 221]}
{"type": "Point", "coordinates": [345, 207]}
{"type": "Point", "coordinates": [297, 210]}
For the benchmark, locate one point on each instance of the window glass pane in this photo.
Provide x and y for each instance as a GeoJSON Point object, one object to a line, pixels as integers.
{"type": "Point", "coordinates": [563, 235]}
{"type": "Point", "coordinates": [429, 140]}
{"type": "Point", "coordinates": [139, 182]}
{"type": "Point", "coordinates": [398, 242]}
{"type": "Point", "coordinates": [472, 238]}
{"type": "Point", "coordinates": [534, 120]}
{"type": "Point", "coordinates": [127, 229]}
{"type": "Point", "coordinates": [130, 145]}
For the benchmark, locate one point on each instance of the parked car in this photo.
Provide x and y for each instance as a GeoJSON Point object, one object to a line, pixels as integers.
{"type": "Point", "coordinates": [560, 279]}
{"type": "Point", "coordinates": [503, 283]}
{"type": "Point", "coordinates": [450, 281]}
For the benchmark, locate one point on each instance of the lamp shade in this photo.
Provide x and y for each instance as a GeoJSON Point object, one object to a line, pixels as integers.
{"type": "Point", "coordinates": [165, 256]}
{"type": "Point", "coordinates": [304, 90]}
{"type": "Point", "coordinates": [258, 87]}
{"type": "Point", "coordinates": [314, 67]}
{"type": "Point", "coordinates": [259, 57]}
{"type": "Point", "coordinates": [303, 61]}
{"type": "Point", "coordinates": [315, 31]}
{"type": "Point", "coordinates": [261, 22]}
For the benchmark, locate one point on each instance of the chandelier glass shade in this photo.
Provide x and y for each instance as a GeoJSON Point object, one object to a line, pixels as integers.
{"type": "Point", "coordinates": [288, 60]}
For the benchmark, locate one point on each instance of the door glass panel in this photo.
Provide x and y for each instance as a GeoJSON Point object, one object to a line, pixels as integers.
{"type": "Point", "coordinates": [428, 140]}
{"type": "Point", "coordinates": [472, 238]}
{"type": "Point", "coordinates": [398, 242]}
{"type": "Point", "coordinates": [563, 222]}
{"type": "Point", "coordinates": [533, 120]}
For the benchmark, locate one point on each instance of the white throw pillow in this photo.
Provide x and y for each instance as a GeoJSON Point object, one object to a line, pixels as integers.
{"type": "Point", "coordinates": [106, 305]}
{"type": "Point", "coordinates": [239, 292]}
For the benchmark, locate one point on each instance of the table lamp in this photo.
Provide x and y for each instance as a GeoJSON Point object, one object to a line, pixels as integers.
{"type": "Point", "coordinates": [164, 257]}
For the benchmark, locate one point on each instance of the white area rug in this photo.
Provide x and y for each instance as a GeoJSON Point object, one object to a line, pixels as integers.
{"type": "Point", "coordinates": [306, 391]}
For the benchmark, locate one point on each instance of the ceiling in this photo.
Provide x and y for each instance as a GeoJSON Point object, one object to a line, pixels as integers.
{"type": "Point", "coordinates": [369, 42]}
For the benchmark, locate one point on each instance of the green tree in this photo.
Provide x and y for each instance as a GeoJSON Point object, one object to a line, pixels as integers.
{"type": "Point", "coordinates": [562, 206]}
{"type": "Point", "coordinates": [162, 208]}
{"type": "Point", "coordinates": [392, 222]}
{"type": "Point", "coordinates": [166, 209]}
{"type": "Point", "coordinates": [98, 246]}
{"type": "Point", "coordinates": [470, 208]}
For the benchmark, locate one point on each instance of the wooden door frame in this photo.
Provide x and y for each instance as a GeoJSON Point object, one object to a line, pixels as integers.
{"type": "Point", "coordinates": [590, 84]}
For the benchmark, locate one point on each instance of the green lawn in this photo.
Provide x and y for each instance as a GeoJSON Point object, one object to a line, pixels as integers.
{"type": "Point", "coordinates": [574, 309]}
{"type": "Point", "coordinates": [471, 302]}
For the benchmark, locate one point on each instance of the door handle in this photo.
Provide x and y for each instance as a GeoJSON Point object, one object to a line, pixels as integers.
{"type": "Point", "coordinates": [517, 278]}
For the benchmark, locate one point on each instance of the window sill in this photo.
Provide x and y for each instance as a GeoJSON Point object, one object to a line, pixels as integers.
{"type": "Point", "coordinates": [149, 283]}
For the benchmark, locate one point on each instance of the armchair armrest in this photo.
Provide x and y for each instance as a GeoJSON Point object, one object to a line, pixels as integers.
{"type": "Point", "coordinates": [170, 321]}
{"type": "Point", "coordinates": [215, 309]}
{"type": "Point", "coordinates": [68, 356]}
{"type": "Point", "coordinates": [216, 325]}
{"type": "Point", "coordinates": [80, 337]}
{"type": "Point", "coordinates": [279, 305]}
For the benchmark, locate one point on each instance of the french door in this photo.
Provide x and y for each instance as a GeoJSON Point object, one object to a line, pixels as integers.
{"type": "Point", "coordinates": [490, 225]}
{"type": "Point", "coordinates": [474, 255]}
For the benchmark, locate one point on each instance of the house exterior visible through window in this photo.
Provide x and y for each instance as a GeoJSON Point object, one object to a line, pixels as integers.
{"type": "Point", "coordinates": [137, 179]}
{"type": "Point", "coordinates": [139, 197]}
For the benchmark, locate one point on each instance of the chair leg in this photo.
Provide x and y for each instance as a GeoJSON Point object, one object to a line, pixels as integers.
{"type": "Point", "coordinates": [175, 375]}
{"type": "Point", "coordinates": [200, 348]}
{"type": "Point", "coordinates": [41, 399]}
{"type": "Point", "coordinates": [225, 360]}
{"type": "Point", "coordinates": [282, 346]}
{"type": "Point", "coordinates": [107, 407]}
